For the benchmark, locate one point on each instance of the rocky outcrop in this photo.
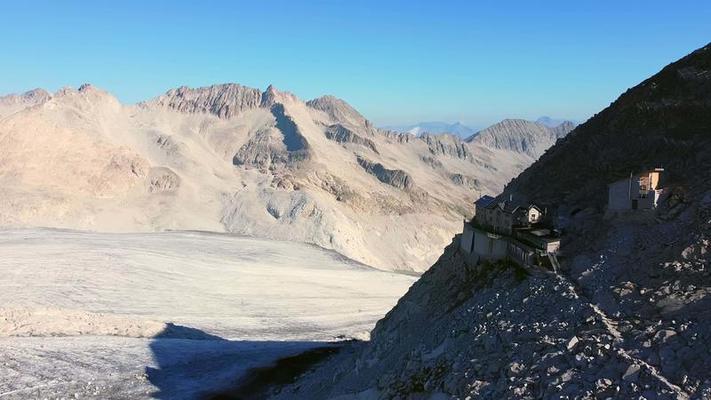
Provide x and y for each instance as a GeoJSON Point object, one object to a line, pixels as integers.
{"type": "Point", "coordinates": [224, 101]}
{"type": "Point", "coordinates": [431, 161]}
{"type": "Point", "coordinates": [396, 137]}
{"type": "Point", "coordinates": [341, 134]}
{"type": "Point", "coordinates": [393, 177]}
{"type": "Point", "coordinates": [16, 102]}
{"type": "Point", "coordinates": [464, 180]}
{"type": "Point", "coordinates": [273, 148]}
{"type": "Point", "coordinates": [293, 139]}
{"type": "Point", "coordinates": [34, 96]}
{"type": "Point", "coordinates": [563, 128]}
{"type": "Point", "coordinates": [446, 145]}
{"type": "Point", "coordinates": [272, 96]}
{"type": "Point", "coordinates": [258, 152]}
{"type": "Point", "coordinates": [520, 136]}
{"type": "Point", "coordinates": [162, 180]}
{"type": "Point", "coordinates": [338, 110]}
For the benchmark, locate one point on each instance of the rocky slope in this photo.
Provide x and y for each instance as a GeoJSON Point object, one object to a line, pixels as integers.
{"type": "Point", "coordinates": [628, 317]}
{"type": "Point", "coordinates": [15, 102]}
{"type": "Point", "coordinates": [662, 122]}
{"type": "Point", "coordinates": [521, 136]}
{"type": "Point", "coordinates": [238, 159]}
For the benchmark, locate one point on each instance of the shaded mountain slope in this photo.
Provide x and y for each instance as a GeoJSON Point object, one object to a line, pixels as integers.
{"type": "Point", "coordinates": [663, 122]}
{"type": "Point", "coordinates": [627, 317]}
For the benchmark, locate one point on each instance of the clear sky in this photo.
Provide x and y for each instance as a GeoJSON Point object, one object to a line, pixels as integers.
{"type": "Point", "coordinates": [396, 61]}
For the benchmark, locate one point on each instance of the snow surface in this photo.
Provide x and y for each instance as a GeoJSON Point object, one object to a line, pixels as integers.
{"type": "Point", "coordinates": [169, 315]}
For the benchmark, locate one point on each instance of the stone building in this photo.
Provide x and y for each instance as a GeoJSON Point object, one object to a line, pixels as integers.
{"type": "Point", "coordinates": [638, 192]}
{"type": "Point", "coordinates": [506, 229]}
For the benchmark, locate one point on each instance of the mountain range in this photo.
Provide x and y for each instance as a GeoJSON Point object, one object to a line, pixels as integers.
{"type": "Point", "coordinates": [458, 129]}
{"type": "Point", "coordinates": [252, 162]}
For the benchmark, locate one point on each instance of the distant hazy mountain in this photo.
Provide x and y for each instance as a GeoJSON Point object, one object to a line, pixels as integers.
{"type": "Point", "coordinates": [551, 122]}
{"type": "Point", "coordinates": [456, 128]}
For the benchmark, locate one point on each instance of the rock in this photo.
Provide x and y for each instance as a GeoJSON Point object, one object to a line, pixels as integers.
{"type": "Point", "coordinates": [162, 180]}
{"type": "Point", "coordinates": [664, 335]}
{"type": "Point", "coordinates": [224, 101]}
{"type": "Point", "coordinates": [567, 375]}
{"type": "Point", "coordinates": [632, 373]}
{"type": "Point", "coordinates": [602, 383]}
{"type": "Point", "coordinates": [572, 343]}
{"type": "Point", "coordinates": [397, 178]}
{"type": "Point", "coordinates": [341, 134]}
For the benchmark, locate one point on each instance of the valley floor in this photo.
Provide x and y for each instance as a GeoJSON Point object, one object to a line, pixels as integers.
{"type": "Point", "coordinates": [173, 315]}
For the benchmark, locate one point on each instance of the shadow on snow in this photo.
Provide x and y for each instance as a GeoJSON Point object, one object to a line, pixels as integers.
{"type": "Point", "coordinates": [192, 364]}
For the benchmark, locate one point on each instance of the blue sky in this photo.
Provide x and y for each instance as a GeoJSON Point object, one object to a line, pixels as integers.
{"type": "Point", "coordinates": [396, 61]}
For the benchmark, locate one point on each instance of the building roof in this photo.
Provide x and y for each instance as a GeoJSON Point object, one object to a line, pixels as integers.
{"type": "Point", "coordinates": [536, 207]}
{"type": "Point", "coordinates": [507, 206]}
{"type": "Point", "coordinates": [511, 207]}
{"type": "Point", "coordinates": [484, 201]}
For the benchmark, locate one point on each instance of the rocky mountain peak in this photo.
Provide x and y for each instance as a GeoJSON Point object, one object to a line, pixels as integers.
{"type": "Point", "coordinates": [86, 87]}
{"type": "Point", "coordinates": [273, 96]}
{"type": "Point", "coordinates": [563, 128]}
{"type": "Point", "coordinates": [520, 135]}
{"type": "Point", "coordinates": [33, 96]}
{"type": "Point", "coordinates": [223, 100]}
{"type": "Point", "coordinates": [86, 97]}
{"type": "Point", "coordinates": [16, 102]}
{"type": "Point", "coordinates": [338, 110]}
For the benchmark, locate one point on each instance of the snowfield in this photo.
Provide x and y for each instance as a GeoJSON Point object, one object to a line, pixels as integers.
{"type": "Point", "coordinates": [170, 315]}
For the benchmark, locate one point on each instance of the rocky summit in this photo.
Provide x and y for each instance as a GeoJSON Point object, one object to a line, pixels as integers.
{"type": "Point", "coordinates": [628, 314]}
{"type": "Point", "coordinates": [521, 136]}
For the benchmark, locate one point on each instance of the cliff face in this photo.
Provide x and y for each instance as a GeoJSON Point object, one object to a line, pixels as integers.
{"type": "Point", "coordinates": [629, 315]}
{"type": "Point", "coordinates": [224, 101]}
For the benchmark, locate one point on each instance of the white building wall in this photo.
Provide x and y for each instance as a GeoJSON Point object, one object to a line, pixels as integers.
{"type": "Point", "coordinates": [533, 216]}
{"type": "Point", "coordinates": [619, 195]}
{"type": "Point", "coordinates": [553, 247]}
{"type": "Point", "coordinates": [465, 241]}
{"type": "Point", "coordinates": [489, 247]}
